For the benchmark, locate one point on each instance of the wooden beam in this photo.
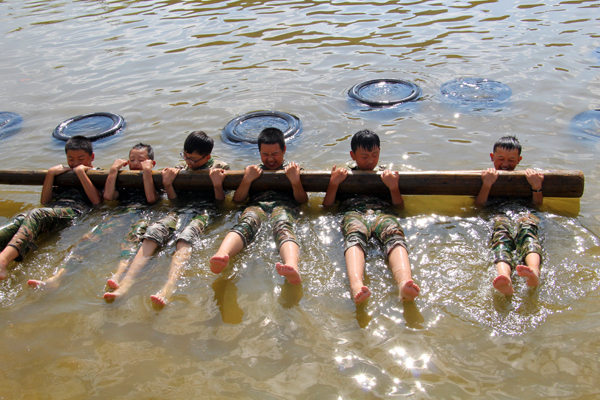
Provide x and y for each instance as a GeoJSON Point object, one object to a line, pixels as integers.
{"type": "Point", "coordinates": [557, 183]}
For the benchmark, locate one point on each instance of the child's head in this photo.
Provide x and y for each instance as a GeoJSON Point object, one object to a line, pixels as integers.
{"type": "Point", "coordinates": [138, 154]}
{"type": "Point", "coordinates": [507, 153]}
{"type": "Point", "coordinates": [79, 151]}
{"type": "Point", "coordinates": [271, 145]}
{"type": "Point", "coordinates": [196, 149]}
{"type": "Point", "coordinates": [365, 149]}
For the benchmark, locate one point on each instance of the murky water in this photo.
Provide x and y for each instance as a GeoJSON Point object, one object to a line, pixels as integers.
{"type": "Point", "coordinates": [171, 67]}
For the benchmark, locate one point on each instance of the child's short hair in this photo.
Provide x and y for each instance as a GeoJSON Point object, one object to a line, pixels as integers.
{"type": "Point", "coordinates": [509, 143]}
{"type": "Point", "coordinates": [198, 142]}
{"type": "Point", "coordinates": [79, 142]}
{"type": "Point", "coordinates": [365, 139]}
{"type": "Point", "coordinates": [144, 146]}
{"type": "Point", "coordinates": [271, 136]}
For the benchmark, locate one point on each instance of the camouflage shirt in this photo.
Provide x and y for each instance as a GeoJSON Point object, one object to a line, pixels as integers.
{"type": "Point", "coordinates": [365, 201]}
{"type": "Point", "coordinates": [71, 196]}
{"type": "Point", "coordinates": [256, 196]}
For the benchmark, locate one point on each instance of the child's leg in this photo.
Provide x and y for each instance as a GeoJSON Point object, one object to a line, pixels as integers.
{"type": "Point", "coordinates": [8, 231]}
{"type": "Point", "coordinates": [130, 245]}
{"type": "Point", "coordinates": [189, 235]}
{"type": "Point", "coordinates": [51, 282]}
{"type": "Point", "coordinates": [238, 238]}
{"type": "Point", "coordinates": [356, 233]}
{"type": "Point", "coordinates": [502, 247]}
{"type": "Point", "coordinates": [282, 219]}
{"type": "Point", "coordinates": [388, 231]}
{"type": "Point", "coordinates": [6, 257]}
{"type": "Point", "coordinates": [529, 249]}
{"type": "Point", "coordinates": [181, 256]}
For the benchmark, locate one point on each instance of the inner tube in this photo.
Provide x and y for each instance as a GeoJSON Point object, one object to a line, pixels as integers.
{"type": "Point", "coordinates": [475, 90]}
{"type": "Point", "coordinates": [587, 122]}
{"type": "Point", "coordinates": [385, 92]}
{"type": "Point", "coordinates": [94, 126]}
{"type": "Point", "coordinates": [247, 127]}
{"type": "Point", "coordinates": [10, 123]}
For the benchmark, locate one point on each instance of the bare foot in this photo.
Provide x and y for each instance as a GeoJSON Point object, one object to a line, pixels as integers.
{"type": "Point", "coordinates": [290, 273]}
{"type": "Point", "coordinates": [3, 274]}
{"type": "Point", "coordinates": [409, 291]}
{"type": "Point", "coordinates": [158, 300]}
{"type": "Point", "coordinates": [35, 283]}
{"type": "Point", "coordinates": [363, 294]}
{"type": "Point", "coordinates": [503, 284]}
{"type": "Point", "coordinates": [110, 296]}
{"type": "Point", "coordinates": [111, 283]}
{"type": "Point", "coordinates": [533, 278]}
{"type": "Point", "coordinates": [218, 262]}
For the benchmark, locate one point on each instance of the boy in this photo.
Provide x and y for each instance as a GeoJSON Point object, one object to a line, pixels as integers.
{"type": "Point", "coordinates": [141, 158]}
{"type": "Point", "coordinates": [197, 207]}
{"type": "Point", "coordinates": [283, 207]}
{"type": "Point", "coordinates": [506, 156]}
{"type": "Point", "coordinates": [64, 204]}
{"type": "Point", "coordinates": [371, 214]}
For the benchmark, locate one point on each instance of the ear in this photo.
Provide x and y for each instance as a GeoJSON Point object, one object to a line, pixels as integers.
{"type": "Point", "coordinates": [520, 158]}
{"type": "Point", "coordinates": [153, 163]}
{"type": "Point", "coordinates": [352, 155]}
{"type": "Point", "coordinates": [92, 156]}
{"type": "Point", "coordinates": [492, 157]}
{"type": "Point", "coordinates": [284, 149]}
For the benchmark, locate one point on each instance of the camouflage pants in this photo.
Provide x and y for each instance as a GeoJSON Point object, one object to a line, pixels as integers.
{"type": "Point", "coordinates": [25, 228]}
{"type": "Point", "coordinates": [504, 241]}
{"type": "Point", "coordinates": [358, 227]}
{"type": "Point", "coordinates": [282, 219]}
{"type": "Point", "coordinates": [160, 231]}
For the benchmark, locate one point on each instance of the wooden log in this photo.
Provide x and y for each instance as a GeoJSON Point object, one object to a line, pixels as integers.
{"type": "Point", "coordinates": [557, 183]}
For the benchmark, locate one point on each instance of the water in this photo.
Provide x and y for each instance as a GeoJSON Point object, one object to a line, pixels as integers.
{"type": "Point", "coordinates": [172, 67]}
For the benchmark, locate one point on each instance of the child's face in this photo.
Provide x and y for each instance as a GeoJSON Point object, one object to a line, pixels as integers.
{"type": "Point", "coordinates": [136, 157]}
{"type": "Point", "coordinates": [506, 160]}
{"type": "Point", "coordinates": [271, 155]}
{"type": "Point", "coordinates": [195, 160]}
{"type": "Point", "coordinates": [366, 160]}
{"type": "Point", "coordinates": [76, 158]}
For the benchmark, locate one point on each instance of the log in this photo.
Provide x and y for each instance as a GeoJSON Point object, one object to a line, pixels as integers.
{"type": "Point", "coordinates": [557, 183]}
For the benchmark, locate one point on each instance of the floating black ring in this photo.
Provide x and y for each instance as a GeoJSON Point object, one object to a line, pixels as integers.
{"type": "Point", "coordinates": [247, 127]}
{"type": "Point", "coordinates": [10, 123]}
{"type": "Point", "coordinates": [117, 123]}
{"type": "Point", "coordinates": [360, 91]}
{"type": "Point", "coordinates": [475, 90]}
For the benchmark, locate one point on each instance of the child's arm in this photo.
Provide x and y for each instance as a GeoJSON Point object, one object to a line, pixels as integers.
{"type": "Point", "coordinates": [338, 175]}
{"type": "Point", "coordinates": [489, 177]}
{"type": "Point", "coordinates": [46, 196]}
{"type": "Point", "coordinates": [92, 193]}
{"type": "Point", "coordinates": [292, 171]}
{"type": "Point", "coordinates": [390, 179]}
{"type": "Point", "coordinates": [168, 176]}
{"type": "Point", "coordinates": [109, 186]}
{"type": "Point", "coordinates": [251, 173]}
{"type": "Point", "coordinates": [217, 176]}
{"type": "Point", "coordinates": [535, 179]}
{"type": "Point", "coordinates": [149, 188]}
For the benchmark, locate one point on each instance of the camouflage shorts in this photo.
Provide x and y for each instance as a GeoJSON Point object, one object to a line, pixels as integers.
{"type": "Point", "coordinates": [25, 228]}
{"type": "Point", "coordinates": [282, 220]}
{"type": "Point", "coordinates": [504, 241]}
{"type": "Point", "coordinates": [358, 227]}
{"type": "Point", "coordinates": [193, 229]}
{"type": "Point", "coordinates": [160, 231]}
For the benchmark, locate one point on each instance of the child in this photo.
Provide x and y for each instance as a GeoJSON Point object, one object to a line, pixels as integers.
{"type": "Point", "coordinates": [197, 207]}
{"type": "Point", "coordinates": [371, 214]}
{"type": "Point", "coordinates": [506, 156]}
{"type": "Point", "coordinates": [64, 204]}
{"type": "Point", "coordinates": [141, 158]}
{"type": "Point", "coordinates": [283, 207]}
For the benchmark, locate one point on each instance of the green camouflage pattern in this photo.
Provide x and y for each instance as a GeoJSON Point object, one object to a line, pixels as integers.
{"type": "Point", "coordinates": [283, 216]}
{"type": "Point", "coordinates": [505, 242]}
{"type": "Point", "coordinates": [358, 227]}
{"type": "Point", "coordinates": [160, 231]}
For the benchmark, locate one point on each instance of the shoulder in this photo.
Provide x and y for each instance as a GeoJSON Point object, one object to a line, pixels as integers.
{"type": "Point", "coordinates": [220, 164]}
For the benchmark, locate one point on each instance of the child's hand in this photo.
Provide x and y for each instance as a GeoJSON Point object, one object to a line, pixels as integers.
{"type": "Point", "coordinates": [489, 176]}
{"type": "Point", "coordinates": [119, 163]}
{"type": "Point", "coordinates": [292, 171]}
{"type": "Point", "coordinates": [169, 175]}
{"type": "Point", "coordinates": [252, 172]}
{"type": "Point", "coordinates": [390, 179]}
{"type": "Point", "coordinates": [147, 165]}
{"type": "Point", "coordinates": [58, 169]}
{"type": "Point", "coordinates": [535, 178]}
{"type": "Point", "coordinates": [338, 175]}
{"type": "Point", "coordinates": [81, 169]}
{"type": "Point", "coordinates": [217, 176]}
